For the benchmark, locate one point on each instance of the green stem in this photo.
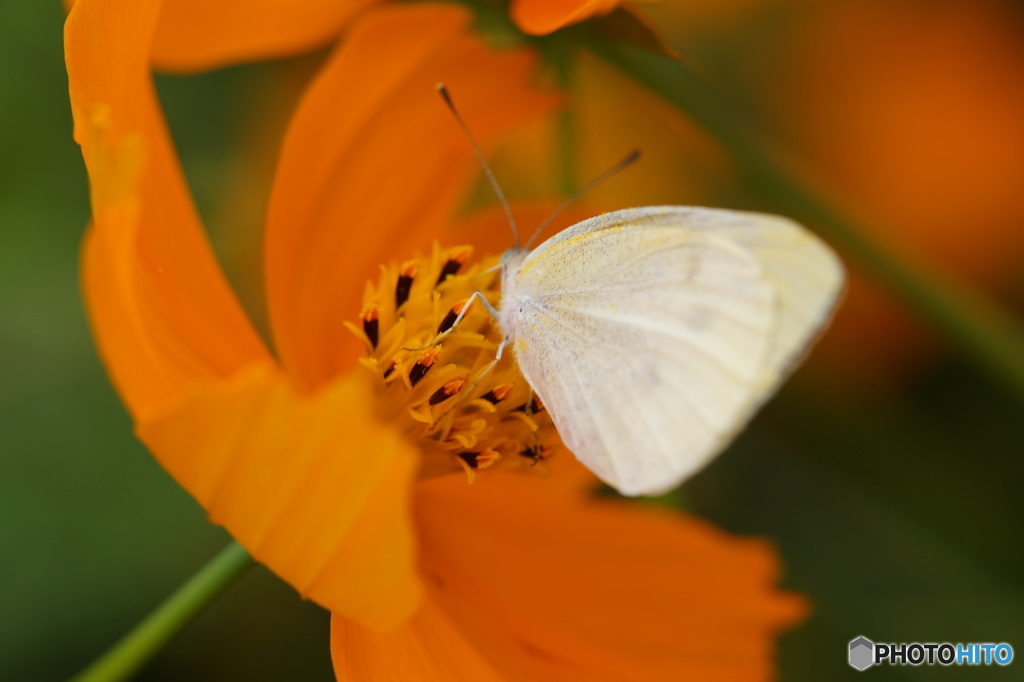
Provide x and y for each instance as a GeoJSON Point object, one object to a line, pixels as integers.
{"type": "Point", "coordinates": [129, 654]}
{"type": "Point", "coordinates": [985, 333]}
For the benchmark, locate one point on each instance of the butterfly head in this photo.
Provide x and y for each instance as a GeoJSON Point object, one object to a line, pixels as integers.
{"type": "Point", "coordinates": [513, 259]}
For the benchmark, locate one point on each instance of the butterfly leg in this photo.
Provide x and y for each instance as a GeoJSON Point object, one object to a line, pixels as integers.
{"type": "Point", "coordinates": [462, 313]}
{"type": "Point", "coordinates": [480, 377]}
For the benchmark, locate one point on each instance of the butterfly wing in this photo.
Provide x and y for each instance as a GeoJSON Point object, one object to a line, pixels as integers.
{"type": "Point", "coordinates": [652, 334]}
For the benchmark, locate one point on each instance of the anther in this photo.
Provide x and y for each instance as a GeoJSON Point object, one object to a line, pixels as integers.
{"type": "Point", "coordinates": [468, 424]}
{"type": "Point", "coordinates": [535, 406]}
{"type": "Point", "coordinates": [473, 461]}
{"type": "Point", "coordinates": [456, 258]}
{"type": "Point", "coordinates": [498, 393]}
{"type": "Point", "coordinates": [480, 460]}
{"type": "Point", "coordinates": [452, 315]}
{"type": "Point", "coordinates": [371, 324]}
{"type": "Point", "coordinates": [406, 274]}
{"type": "Point", "coordinates": [426, 361]}
{"type": "Point", "coordinates": [448, 390]}
{"type": "Point", "coordinates": [533, 453]}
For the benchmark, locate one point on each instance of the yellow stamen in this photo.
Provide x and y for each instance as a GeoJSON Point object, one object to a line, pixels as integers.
{"type": "Point", "coordinates": [461, 417]}
{"type": "Point", "coordinates": [429, 356]}
{"type": "Point", "coordinates": [447, 390]}
{"type": "Point", "coordinates": [460, 254]}
{"type": "Point", "coordinates": [499, 392]}
{"type": "Point", "coordinates": [476, 461]}
{"type": "Point", "coordinates": [409, 268]}
{"type": "Point", "coordinates": [370, 311]}
{"type": "Point", "coordinates": [487, 458]}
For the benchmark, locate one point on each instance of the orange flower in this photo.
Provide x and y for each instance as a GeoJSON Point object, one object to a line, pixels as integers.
{"type": "Point", "coordinates": [195, 35]}
{"type": "Point", "coordinates": [532, 579]}
{"type": "Point", "coordinates": [311, 459]}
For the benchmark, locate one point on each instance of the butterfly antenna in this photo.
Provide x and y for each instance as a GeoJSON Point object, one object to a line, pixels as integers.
{"type": "Point", "coordinates": [626, 162]}
{"type": "Point", "coordinates": [443, 90]}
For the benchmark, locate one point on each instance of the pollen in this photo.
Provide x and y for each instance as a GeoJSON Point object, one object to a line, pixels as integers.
{"type": "Point", "coordinates": [438, 379]}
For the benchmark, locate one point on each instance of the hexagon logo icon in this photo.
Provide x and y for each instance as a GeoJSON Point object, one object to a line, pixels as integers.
{"type": "Point", "coordinates": [862, 653]}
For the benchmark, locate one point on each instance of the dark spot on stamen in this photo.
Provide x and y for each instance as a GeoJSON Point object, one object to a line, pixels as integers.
{"type": "Point", "coordinates": [498, 393]}
{"type": "Point", "coordinates": [451, 267]}
{"type": "Point", "coordinates": [535, 407]}
{"type": "Point", "coordinates": [453, 315]}
{"type": "Point", "coordinates": [534, 453]}
{"type": "Point", "coordinates": [389, 371]}
{"type": "Point", "coordinates": [426, 361]}
{"type": "Point", "coordinates": [448, 321]}
{"type": "Point", "coordinates": [449, 389]}
{"type": "Point", "coordinates": [402, 290]}
{"type": "Point", "coordinates": [372, 330]}
{"type": "Point", "coordinates": [417, 373]}
{"type": "Point", "coordinates": [469, 458]}
{"type": "Point", "coordinates": [371, 327]}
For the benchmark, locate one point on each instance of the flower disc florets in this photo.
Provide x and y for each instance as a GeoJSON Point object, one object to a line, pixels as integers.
{"type": "Point", "coordinates": [461, 408]}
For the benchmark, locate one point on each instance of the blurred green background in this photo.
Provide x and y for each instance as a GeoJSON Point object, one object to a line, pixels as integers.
{"type": "Point", "coordinates": [889, 473]}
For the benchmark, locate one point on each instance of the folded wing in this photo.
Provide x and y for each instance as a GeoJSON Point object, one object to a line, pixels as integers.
{"type": "Point", "coordinates": [652, 334]}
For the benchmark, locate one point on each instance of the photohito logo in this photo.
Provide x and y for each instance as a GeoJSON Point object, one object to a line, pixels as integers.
{"type": "Point", "coordinates": [864, 653]}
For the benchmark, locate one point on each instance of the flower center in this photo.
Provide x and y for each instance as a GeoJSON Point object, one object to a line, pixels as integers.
{"type": "Point", "coordinates": [464, 410]}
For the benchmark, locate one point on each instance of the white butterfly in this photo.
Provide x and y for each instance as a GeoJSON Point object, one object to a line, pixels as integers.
{"type": "Point", "coordinates": [653, 334]}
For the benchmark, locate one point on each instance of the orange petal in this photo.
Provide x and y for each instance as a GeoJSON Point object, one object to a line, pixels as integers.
{"type": "Point", "coordinates": [311, 485]}
{"type": "Point", "coordinates": [373, 164]}
{"type": "Point", "coordinates": [548, 587]}
{"type": "Point", "coordinates": [198, 34]}
{"type": "Point", "coordinates": [540, 17]}
{"type": "Point", "coordinates": [428, 647]}
{"type": "Point", "coordinates": [160, 308]}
